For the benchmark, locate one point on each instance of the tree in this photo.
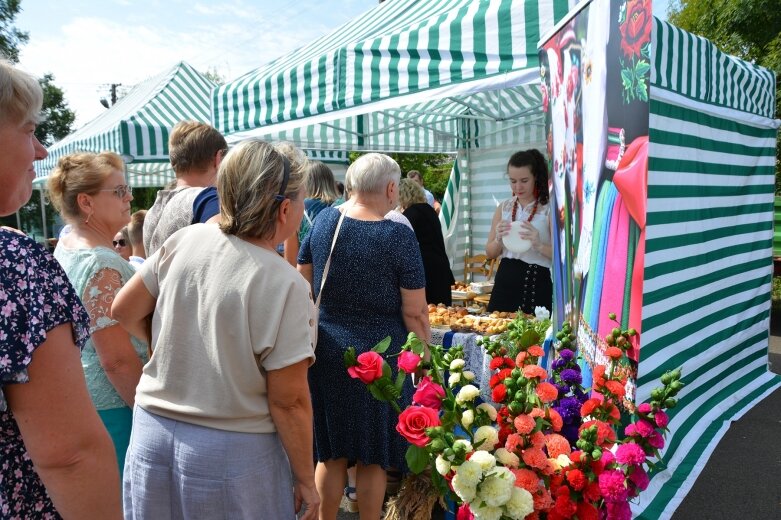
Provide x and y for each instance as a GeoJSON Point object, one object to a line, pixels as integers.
{"type": "Point", "coordinates": [57, 118]}
{"type": "Point", "coordinates": [748, 29]}
{"type": "Point", "coordinates": [435, 168]}
{"type": "Point", "coordinates": [11, 38]}
{"type": "Point", "coordinates": [213, 75]}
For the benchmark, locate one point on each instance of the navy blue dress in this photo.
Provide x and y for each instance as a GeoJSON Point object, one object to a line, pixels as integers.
{"type": "Point", "coordinates": [361, 305]}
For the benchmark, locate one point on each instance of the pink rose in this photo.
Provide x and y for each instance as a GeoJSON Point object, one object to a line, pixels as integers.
{"type": "Point", "coordinates": [408, 361]}
{"type": "Point", "coordinates": [661, 419]}
{"type": "Point", "coordinates": [369, 367]}
{"type": "Point", "coordinates": [429, 394]}
{"type": "Point", "coordinates": [413, 422]}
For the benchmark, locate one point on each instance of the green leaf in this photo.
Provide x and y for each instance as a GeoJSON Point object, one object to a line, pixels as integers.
{"type": "Point", "coordinates": [417, 459]}
{"type": "Point", "coordinates": [641, 69]}
{"type": "Point", "coordinates": [626, 78]}
{"type": "Point", "coordinates": [382, 346]}
{"type": "Point", "coordinates": [529, 338]}
{"type": "Point", "coordinates": [350, 359]}
{"type": "Point", "coordinates": [376, 391]}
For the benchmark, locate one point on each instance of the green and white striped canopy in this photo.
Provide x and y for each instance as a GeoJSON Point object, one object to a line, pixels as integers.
{"type": "Point", "coordinates": [402, 53]}
{"type": "Point", "coordinates": [137, 126]}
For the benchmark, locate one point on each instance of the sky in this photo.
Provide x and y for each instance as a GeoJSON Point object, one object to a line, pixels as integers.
{"type": "Point", "coordinates": [90, 44]}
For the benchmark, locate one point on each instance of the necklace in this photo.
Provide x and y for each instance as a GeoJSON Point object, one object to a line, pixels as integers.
{"type": "Point", "coordinates": [531, 215]}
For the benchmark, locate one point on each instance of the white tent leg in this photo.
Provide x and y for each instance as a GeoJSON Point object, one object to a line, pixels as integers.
{"type": "Point", "coordinates": [18, 221]}
{"type": "Point", "coordinates": [43, 216]}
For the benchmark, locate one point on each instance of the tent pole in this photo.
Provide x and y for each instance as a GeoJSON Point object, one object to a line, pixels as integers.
{"type": "Point", "coordinates": [18, 221]}
{"type": "Point", "coordinates": [43, 216]}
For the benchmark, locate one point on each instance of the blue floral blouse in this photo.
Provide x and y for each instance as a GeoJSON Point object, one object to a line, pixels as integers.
{"type": "Point", "coordinates": [35, 297]}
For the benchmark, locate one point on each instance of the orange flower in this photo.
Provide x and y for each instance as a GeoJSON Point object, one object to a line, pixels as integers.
{"type": "Point", "coordinates": [537, 440]}
{"type": "Point", "coordinates": [589, 406]}
{"type": "Point", "coordinates": [520, 358]}
{"type": "Point", "coordinates": [526, 479]}
{"type": "Point", "coordinates": [532, 371]}
{"type": "Point", "coordinates": [606, 436]}
{"type": "Point", "coordinates": [524, 424]}
{"type": "Point", "coordinates": [614, 352]}
{"type": "Point", "coordinates": [557, 445]}
{"type": "Point", "coordinates": [514, 443]}
{"type": "Point", "coordinates": [535, 458]}
{"type": "Point", "coordinates": [542, 502]}
{"type": "Point", "coordinates": [616, 388]}
{"type": "Point", "coordinates": [555, 420]}
{"type": "Point", "coordinates": [546, 392]}
{"type": "Point", "coordinates": [536, 351]}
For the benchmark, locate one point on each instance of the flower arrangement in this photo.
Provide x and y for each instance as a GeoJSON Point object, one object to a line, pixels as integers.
{"type": "Point", "coordinates": [546, 447]}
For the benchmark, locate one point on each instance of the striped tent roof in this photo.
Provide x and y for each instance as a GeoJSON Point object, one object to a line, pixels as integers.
{"type": "Point", "coordinates": [401, 53]}
{"type": "Point", "coordinates": [137, 126]}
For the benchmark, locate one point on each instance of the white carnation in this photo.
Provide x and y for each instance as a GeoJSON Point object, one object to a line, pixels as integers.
{"type": "Point", "coordinates": [464, 489]}
{"type": "Point", "coordinates": [489, 409]}
{"type": "Point", "coordinates": [454, 379]}
{"type": "Point", "coordinates": [495, 491]}
{"type": "Point", "coordinates": [520, 504]}
{"type": "Point", "coordinates": [563, 460]}
{"type": "Point", "coordinates": [443, 466]}
{"type": "Point", "coordinates": [467, 418]}
{"type": "Point", "coordinates": [490, 437]}
{"type": "Point", "coordinates": [456, 365]}
{"type": "Point", "coordinates": [507, 458]}
{"type": "Point", "coordinates": [468, 375]}
{"type": "Point", "coordinates": [486, 461]}
{"type": "Point", "coordinates": [485, 512]}
{"type": "Point", "coordinates": [541, 313]}
{"type": "Point", "coordinates": [467, 394]}
{"type": "Point", "coordinates": [470, 473]}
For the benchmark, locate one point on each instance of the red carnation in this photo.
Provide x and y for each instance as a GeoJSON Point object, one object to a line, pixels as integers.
{"type": "Point", "coordinates": [577, 479]}
{"type": "Point", "coordinates": [499, 393]}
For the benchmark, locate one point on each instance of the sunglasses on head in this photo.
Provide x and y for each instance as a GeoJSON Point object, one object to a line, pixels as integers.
{"type": "Point", "coordinates": [285, 178]}
{"type": "Point", "coordinates": [120, 191]}
{"type": "Point", "coordinates": [119, 243]}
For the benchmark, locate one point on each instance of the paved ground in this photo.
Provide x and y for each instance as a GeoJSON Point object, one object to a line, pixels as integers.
{"type": "Point", "coordinates": [742, 479]}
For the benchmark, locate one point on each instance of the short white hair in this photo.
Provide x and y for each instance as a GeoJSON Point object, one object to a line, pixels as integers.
{"type": "Point", "coordinates": [372, 172]}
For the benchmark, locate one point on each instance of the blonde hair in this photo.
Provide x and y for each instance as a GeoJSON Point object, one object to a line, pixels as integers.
{"type": "Point", "coordinates": [80, 173]}
{"type": "Point", "coordinates": [135, 228]}
{"type": "Point", "coordinates": [372, 172]}
{"type": "Point", "coordinates": [192, 145]}
{"type": "Point", "coordinates": [248, 180]}
{"type": "Point", "coordinates": [21, 96]}
{"type": "Point", "coordinates": [320, 182]}
{"type": "Point", "coordinates": [410, 192]}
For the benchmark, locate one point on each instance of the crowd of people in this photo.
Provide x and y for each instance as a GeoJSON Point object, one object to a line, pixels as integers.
{"type": "Point", "coordinates": [186, 361]}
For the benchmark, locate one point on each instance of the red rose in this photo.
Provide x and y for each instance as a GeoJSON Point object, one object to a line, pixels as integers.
{"type": "Point", "coordinates": [369, 367]}
{"type": "Point", "coordinates": [636, 29]}
{"type": "Point", "coordinates": [413, 422]}
{"type": "Point", "coordinates": [408, 361]}
{"type": "Point", "coordinates": [429, 394]}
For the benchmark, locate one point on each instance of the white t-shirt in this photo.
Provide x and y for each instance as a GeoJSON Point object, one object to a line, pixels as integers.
{"type": "Point", "coordinates": [227, 312]}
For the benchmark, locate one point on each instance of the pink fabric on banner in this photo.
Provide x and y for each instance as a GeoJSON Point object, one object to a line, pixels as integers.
{"type": "Point", "coordinates": [631, 179]}
{"type": "Point", "coordinates": [614, 280]}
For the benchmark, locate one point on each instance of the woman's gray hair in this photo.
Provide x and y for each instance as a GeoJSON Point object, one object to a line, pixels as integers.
{"type": "Point", "coordinates": [410, 192]}
{"type": "Point", "coordinates": [21, 96]}
{"type": "Point", "coordinates": [371, 173]}
{"type": "Point", "coordinates": [249, 178]}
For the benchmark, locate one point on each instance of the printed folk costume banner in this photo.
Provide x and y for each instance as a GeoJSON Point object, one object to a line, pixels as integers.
{"type": "Point", "coordinates": [595, 80]}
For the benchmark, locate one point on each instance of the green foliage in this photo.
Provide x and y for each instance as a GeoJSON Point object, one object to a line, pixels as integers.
{"type": "Point", "coordinates": [143, 198]}
{"type": "Point", "coordinates": [57, 117]}
{"type": "Point", "coordinates": [748, 29]}
{"type": "Point", "coordinates": [11, 38]}
{"type": "Point", "coordinates": [417, 459]}
{"type": "Point", "coordinates": [382, 346]}
{"type": "Point", "coordinates": [434, 167]}
{"type": "Point", "coordinates": [213, 75]}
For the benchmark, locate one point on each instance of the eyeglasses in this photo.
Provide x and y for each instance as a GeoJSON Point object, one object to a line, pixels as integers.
{"type": "Point", "coordinates": [121, 190]}
{"type": "Point", "coordinates": [119, 243]}
{"type": "Point", "coordinates": [285, 178]}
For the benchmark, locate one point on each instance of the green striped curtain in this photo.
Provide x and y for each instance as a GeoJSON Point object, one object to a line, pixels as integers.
{"type": "Point", "coordinates": [706, 297]}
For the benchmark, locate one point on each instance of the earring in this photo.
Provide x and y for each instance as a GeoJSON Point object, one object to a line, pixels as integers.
{"type": "Point", "coordinates": [86, 221]}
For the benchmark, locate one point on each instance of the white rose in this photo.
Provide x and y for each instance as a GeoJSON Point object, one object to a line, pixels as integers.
{"type": "Point", "coordinates": [488, 435]}
{"type": "Point", "coordinates": [443, 466]}
{"type": "Point", "coordinates": [486, 461]}
{"type": "Point", "coordinates": [467, 418]}
{"type": "Point", "coordinates": [468, 375]}
{"type": "Point", "coordinates": [507, 458]}
{"type": "Point", "coordinates": [456, 365]}
{"type": "Point", "coordinates": [520, 504]}
{"type": "Point", "coordinates": [489, 409]}
{"type": "Point", "coordinates": [467, 394]}
{"type": "Point", "coordinates": [454, 379]}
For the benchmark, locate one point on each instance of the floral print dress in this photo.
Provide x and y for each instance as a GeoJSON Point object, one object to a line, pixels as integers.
{"type": "Point", "coordinates": [35, 297]}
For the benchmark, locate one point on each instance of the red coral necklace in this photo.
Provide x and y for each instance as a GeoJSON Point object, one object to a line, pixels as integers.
{"type": "Point", "coordinates": [531, 215]}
